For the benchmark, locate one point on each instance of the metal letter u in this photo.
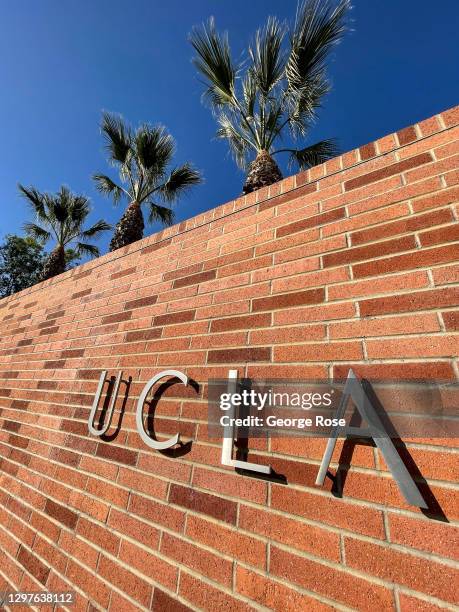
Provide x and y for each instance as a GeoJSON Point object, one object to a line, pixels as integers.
{"type": "Point", "coordinates": [111, 408]}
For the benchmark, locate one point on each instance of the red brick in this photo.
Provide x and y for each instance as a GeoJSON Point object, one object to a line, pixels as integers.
{"type": "Point", "coordinates": [134, 528]}
{"type": "Point", "coordinates": [410, 261]}
{"type": "Point", "coordinates": [387, 326]}
{"type": "Point", "coordinates": [78, 549]}
{"type": "Point", "coordinates": [408, 302]}
{"type": "Point", "coordinates": [428, 346]}
{"type": "Point", "coordinates": [328, 510]}
{"type": "Point", "coordinates": [154, 247]}
{"type": "Point", "coordinates": [195, 279]}
{"type": "Point", "coordinates": [288, 300]}
{"type": "Point", "coordinates": [385, 284]}
{"type": "Point", "coordinates": [316, 221]}
{"type": "Point", "coordinates": [367, 151]}
{"type": "Point", "coordinates": [407, 135]}
{"type": "Point", "coordinates": [291, 195]}
{"type": "Point", "coordinates": [246, 322]}
{"type": "Point", "coordinates": [125, 580]}
{"type": "Point", "coordinates": [409, 603]}
{"type": "Point", "coordinates": [412, 371]}
{"type": "Point", "coordinates": [116, 318]}
{"type": "Point", "coordinates": [242, 355]}
{"type": "Point", "coordinates": [100, 536]}
{"type": "Point", "coordinates": [61, 514]}
{"type": "Point", "coordinates": [367, 252]}
{"type": "Point", "coordinates": [241, 487]}
{"type": "Point", "coordinates": [206, 597]}
{"type": "Point", "coordinates": [451, 320]}
{"type": "Point", "coordinates": [274, 595]}
{"type": "Point", "coordinates": [33, 565]}
{"type": "Point", "coordinates": [221, 509]}
{"type": "Point", "coordinates": [440, 235]}
{"type": "Point", "coordinates": [202, 561]}
{"type": "Point", "coordinates": [419, 574]}
{"type": "Point", "coordinates": [227, 541]}
{"type": "Point", "coordinates": [377, 175]}
{"type": "Point", "coordinates": [183, 272]}
{"type": "Point", "coordinates": [325, 351]}
{"type": "Point", "coordinates": [423, 534]}
{"type": "Point", "coordinates": [293, 533]}
{"type": "Point", "coordinates": [312, 279]}
{"type": "Point", "coordinates": [149, 564]}
{"type": "Point", "coordinates": [337, 585]}
{"type": "Point", "coordinates": [451, 116]}
{"type": "Point", "coordinates": [410, 224]}
{"type": "Point", "coordinates": [116, 453]}
{"type": "Point", "coordinates": [162, 602]}
{"type": "Point", "coordinates": [156, 513]}
{"type": "Point", "coordinates": [435, 200]}
{"type": "Point", "coordinates": [282, 335]}
{"type": "Point", "coordinates": [126, 272]}
{"type": "Point", "coordinates": [144, 334]}
{"type": "Point", "coordinates": [140, 302]}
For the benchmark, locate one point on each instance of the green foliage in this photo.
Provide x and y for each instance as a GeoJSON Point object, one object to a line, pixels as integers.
{"type": "Point", "coordinates": [62, 217]}
{"type": "Point", "coordinates": [21, 263]}
{"type": "Point", "coordinates": [72, 258]}
{"type": "Point", "coordinates": [278, 87]}
{"type": "Point", "coordinates": [142, 158]}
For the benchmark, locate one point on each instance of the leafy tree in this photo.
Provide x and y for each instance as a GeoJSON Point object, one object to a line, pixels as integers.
{"type": "Point", "coordinates": [21, 263]}
{"type": "Point", "coordinates": [61, 217]}
{"type": "Point", "coordinates": [142, 158]}
{"type": "Point", "coordinates": [273, 92]}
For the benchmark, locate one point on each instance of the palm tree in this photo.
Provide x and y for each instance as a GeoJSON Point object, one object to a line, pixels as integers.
{"type": "Point", "coordinates": [61, 216]}
{"type": "Point", "coordinates": [278, 88]}
{"type": "Point", "coordinates": [142, 158]}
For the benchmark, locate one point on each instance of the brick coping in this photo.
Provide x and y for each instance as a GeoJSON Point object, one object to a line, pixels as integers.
{"type": "Point", "coordinates": [396, 141]}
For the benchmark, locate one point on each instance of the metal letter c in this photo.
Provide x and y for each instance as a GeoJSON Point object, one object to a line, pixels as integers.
{"type": "Point", "coordinates": [139, 413]}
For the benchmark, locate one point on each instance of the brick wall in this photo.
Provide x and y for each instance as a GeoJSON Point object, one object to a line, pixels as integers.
{"type": "Point", "coordinates": [353, 263]}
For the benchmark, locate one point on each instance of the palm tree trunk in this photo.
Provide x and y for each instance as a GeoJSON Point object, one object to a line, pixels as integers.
{"type": "Point", "coordinates": [129, 228]}
{"type": "Point", "coordinates": [263, 171]}
{"type": "Point", "coordinates": [55, 263]}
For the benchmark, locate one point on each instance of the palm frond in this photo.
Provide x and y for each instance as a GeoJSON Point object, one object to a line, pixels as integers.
{"type": "Point", "coordinates": [106, 186]}
{"type": "Point", "coordinates": [160, 213]}
{"type": "Point", "coordinates": [58, 210]}
{"type": "Point", "coordinates": [315, 154]}
{"type": "Point", "coordinates": [35, 200]}
{"type": "Point", "coordinates": [37, 232]}
{"type": "Point", "coordinates": [267, 57]}
{"type": "Point", "coordinates": [249, 92]}
{"type": "Point", "coordinates": [214, 62]}
{"type": "Point", "coordinates": [83, 248]}
{"type": "Point", "coordinates": [61, 216]}
{"type": "Point", "coordinates": [303, 104]}
{"type": "Point", "coordinates": [117, 137]}
{"type": "Point", "coordinates": [96, 229]}
{"type": "Point", "coordinates": [239, 143]}
{"type": "Point", "coordinates": [180, 180]}
{"type": "Point", "coordinates": [273, 122]}
{"type": "Point", "coordinates": [318, 27]}
{"type": "Point", "coordinates": [154, 148]}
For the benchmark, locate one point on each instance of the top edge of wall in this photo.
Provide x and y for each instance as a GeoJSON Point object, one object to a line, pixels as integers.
{"type": "Point", "coordinates": [382, 146]}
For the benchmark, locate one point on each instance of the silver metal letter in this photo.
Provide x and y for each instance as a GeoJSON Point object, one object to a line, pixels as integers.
{"type": "Point", "coordinates": [92, 414]}
{"type": "Point", "coordinates": [354, 389]}
{"type": "Point", "coordinates": [139, 413]}
{"type": "Point", "coordinates": [228, 437]}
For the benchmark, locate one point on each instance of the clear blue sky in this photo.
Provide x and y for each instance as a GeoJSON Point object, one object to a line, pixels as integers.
{"type": "Point", "coordinates": [62, 62]}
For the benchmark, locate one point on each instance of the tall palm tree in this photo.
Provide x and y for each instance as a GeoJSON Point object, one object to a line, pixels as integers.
{"type": "Point", "coordinates": [61, 216]}
{"type": "Point", "coordinates": [276, 90]}
{"type": "Point", "coordinates": [142, 158]}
